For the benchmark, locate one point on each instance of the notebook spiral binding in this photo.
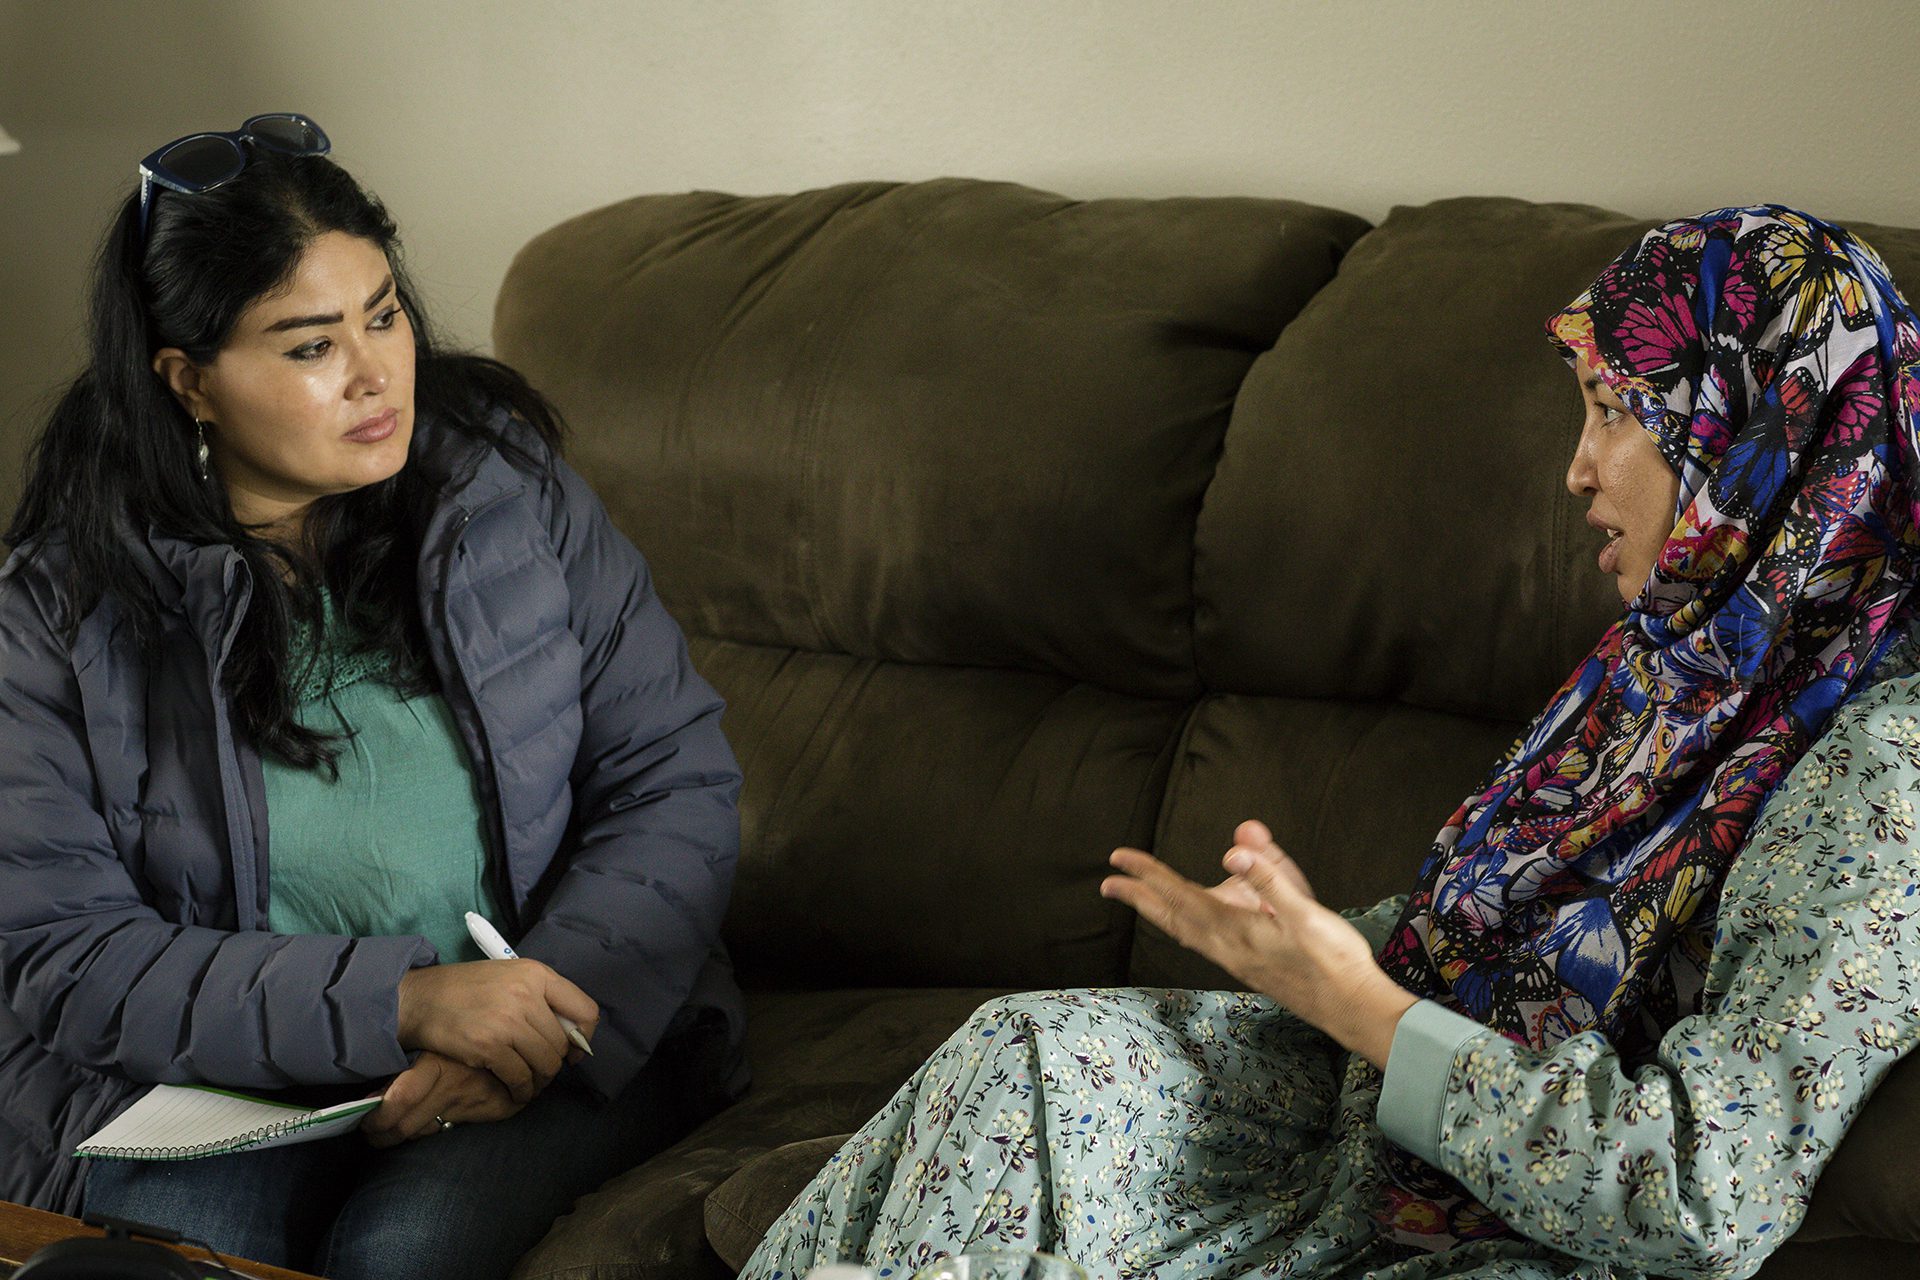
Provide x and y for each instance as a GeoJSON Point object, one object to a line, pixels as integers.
{"type": "Point", "coordinates": [264, 1133]}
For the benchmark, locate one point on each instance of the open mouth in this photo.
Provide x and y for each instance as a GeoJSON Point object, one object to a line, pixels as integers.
{"type": "Point", "coordinates": [1610, 554]}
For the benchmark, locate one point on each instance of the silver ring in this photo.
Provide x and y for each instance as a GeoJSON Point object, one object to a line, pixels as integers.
{"type": "Point", "coordinates": [444, 1123]}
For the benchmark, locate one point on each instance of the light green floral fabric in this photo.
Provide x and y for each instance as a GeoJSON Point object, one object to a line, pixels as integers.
{"type": "Point", "coordinates": [1204, 1135]}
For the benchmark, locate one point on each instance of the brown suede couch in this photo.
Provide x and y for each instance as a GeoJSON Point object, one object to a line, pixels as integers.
{"type": "Point", "coordinates": [1014, 528]}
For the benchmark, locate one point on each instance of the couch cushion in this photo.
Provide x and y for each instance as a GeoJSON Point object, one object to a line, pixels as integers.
{"type": "Point", "coordinates": [874, 1037]}
{"type": "Point", "coordinates": [740, 1210]}
{"type": "Point", "coordinates": [1390, 518]}
{"type": "Point", "coordinates": [1355, 791]}
{"type": "Point", "coordinates": [943, 422]}
{"type": "Point", "coordinates": [649, 1223]}
{"type": "Point", "coordinates": [1868, 1188]}
{"type": "Point", "coordinates": [928, 825]}
{"type": "Point", "coordinates": [823, 1061]}
{"type": "Point", "coordinates": [1847, 1259]}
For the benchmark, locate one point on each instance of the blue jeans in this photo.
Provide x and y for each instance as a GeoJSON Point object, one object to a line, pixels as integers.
{"type": "Point", "coordinates": [462, 1204]}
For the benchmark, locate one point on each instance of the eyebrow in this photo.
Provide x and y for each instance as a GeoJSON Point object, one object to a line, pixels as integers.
{"type": "Point", "coordinates": [302, 322]}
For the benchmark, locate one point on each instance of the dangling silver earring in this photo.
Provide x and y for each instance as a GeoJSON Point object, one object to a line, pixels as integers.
{"type": "Point", "coordinates": [200, 455]}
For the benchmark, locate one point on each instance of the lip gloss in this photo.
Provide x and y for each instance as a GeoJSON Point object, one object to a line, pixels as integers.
{"type": "Point", "coordinates": [377, 430]}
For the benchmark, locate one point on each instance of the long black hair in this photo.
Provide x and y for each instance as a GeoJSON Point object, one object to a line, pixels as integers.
{"type": "Point", "coordinates": [118, 454]}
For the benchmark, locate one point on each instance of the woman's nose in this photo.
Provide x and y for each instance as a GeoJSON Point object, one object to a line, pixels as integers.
{"type": "Point", "coordinates": [370, 375]}
{"type": "Point", "coordinates": [1581, 475]}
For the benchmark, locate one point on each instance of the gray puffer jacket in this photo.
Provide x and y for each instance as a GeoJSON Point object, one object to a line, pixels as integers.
{"type": "Point", "coordinates": [133, 823]}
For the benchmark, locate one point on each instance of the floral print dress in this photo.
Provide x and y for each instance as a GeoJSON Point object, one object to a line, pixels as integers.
{"type": "Point", "coordinates": [1195, 1135]}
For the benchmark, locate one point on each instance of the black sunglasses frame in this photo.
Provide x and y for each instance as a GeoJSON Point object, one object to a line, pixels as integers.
{"type": "Point", "coordinates": [154, 171]}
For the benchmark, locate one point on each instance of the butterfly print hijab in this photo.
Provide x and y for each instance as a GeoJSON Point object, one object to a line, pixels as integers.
{"type": "Point", "coordinates": [1778, 370]}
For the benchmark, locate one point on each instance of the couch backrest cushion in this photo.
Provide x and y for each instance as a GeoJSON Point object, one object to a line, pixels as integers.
{"type": "Point", "coordinates": [918, 468]}
{"type": "Point", "coordinates": [932, 825]}
{"type": "Point", "coordinates": [1401, 454]}
{"type": "Point", "coordinates": [945, 422]}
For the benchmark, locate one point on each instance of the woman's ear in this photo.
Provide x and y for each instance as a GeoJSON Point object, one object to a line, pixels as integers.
{"type": "Point", "coordinates": [184, 379]}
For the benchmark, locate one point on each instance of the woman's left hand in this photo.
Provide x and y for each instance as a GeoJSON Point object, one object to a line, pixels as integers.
{"type": "Point", "coordinates": [433, 1089]}
{"type": "Point", "coordinates": [1263, 926]}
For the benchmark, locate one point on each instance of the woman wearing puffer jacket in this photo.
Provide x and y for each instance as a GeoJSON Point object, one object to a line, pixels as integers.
{"type": "Point", "coordinates": [311, 643]}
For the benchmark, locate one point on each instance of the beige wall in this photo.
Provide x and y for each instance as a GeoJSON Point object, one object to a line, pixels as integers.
{"type": "Point", "coordinates": [482, 123]}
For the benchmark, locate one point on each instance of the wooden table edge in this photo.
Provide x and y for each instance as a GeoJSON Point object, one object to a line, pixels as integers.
{"type": "Point", "coordinates": [24, 1231]}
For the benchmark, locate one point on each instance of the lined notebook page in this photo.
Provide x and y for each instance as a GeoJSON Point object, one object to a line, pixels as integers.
{"type": "Point", "coordinates": [178, 1122]}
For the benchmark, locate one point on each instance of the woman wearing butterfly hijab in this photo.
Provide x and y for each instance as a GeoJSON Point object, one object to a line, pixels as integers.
{"type": "Point", "coordinates": [1647, 973]}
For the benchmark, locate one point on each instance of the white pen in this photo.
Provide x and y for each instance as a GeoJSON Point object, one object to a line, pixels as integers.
{"type": "Point", "coordinates": [489, 940]}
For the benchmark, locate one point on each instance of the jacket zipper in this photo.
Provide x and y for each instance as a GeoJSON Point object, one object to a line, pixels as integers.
{"type": "Point", "coordinates": [243, 852]}
{"type": "Point", "coordinates": [496, 816]}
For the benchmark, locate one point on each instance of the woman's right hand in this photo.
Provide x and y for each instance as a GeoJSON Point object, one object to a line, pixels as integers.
{"type": "Point", "coordinates": [501, 1016]}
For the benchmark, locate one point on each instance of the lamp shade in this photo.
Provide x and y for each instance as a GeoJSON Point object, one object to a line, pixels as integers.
{"type": "Point", "coordinates": [7, 145]}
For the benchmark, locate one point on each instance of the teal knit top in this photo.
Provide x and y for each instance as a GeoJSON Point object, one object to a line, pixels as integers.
{"type": "Point", "coordinates": [397, 843]}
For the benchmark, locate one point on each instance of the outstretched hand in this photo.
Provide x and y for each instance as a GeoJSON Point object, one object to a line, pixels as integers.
{"type": "Point", "coordinates": [1263, 925]}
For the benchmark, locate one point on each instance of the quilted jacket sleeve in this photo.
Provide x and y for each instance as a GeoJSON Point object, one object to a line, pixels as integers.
{"type": "Point", "coordinates": [635, 918]}
{"type": "Point", "coordinates": [97, 976]}
{"type": "Point", "coordinates": [1700, 1162]}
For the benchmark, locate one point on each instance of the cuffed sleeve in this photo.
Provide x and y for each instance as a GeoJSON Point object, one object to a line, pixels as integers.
{"type": "Point", "coordinates": [1426, 1041]}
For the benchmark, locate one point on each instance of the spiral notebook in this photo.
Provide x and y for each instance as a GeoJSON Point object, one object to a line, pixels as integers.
{"type": "Point", "coordinates": [185, 1122]}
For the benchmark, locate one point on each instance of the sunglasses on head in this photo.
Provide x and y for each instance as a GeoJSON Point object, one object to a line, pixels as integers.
{"type": "Point", "coordinates": [202, 161]}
